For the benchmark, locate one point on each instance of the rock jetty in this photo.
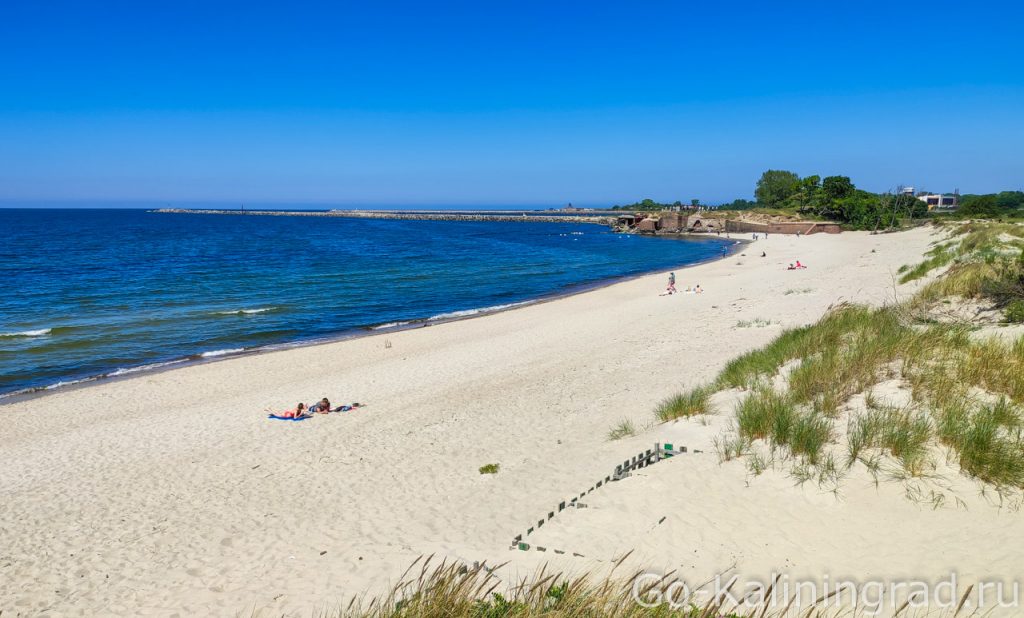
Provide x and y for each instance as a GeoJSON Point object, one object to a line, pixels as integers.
{"type": "Point", "coordinates": [601, 219]}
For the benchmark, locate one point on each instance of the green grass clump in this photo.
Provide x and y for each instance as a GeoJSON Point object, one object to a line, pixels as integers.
{"type": "Point", "coordinates": [763, 414]}
{"type": "Point", "coordinates": [684, 405]}
{"type": "Point", "coordinates": [1015, 311]}
{"type": "Point", "coordinates": [745, 371]}
{"type": "Point", "coordinates": [808, 436]}
{"type": "Point", "coordinates": [490, 468]}
{"type": "Point", "coordinates": [625, 429]}
{"type": "Point", "coordinates": [989, 442]}
{"type": "Point", "coordinates": [939, 256]}
{"type": "Point", "coordinates": [766, 414]}
{"type": "Point", "coordinates": [904, 433]}
{"type": "Point", "coordinates": [993, 365]}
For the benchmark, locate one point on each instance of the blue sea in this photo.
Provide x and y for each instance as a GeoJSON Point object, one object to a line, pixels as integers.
{"type": "Point", "coordinates": [94, 293]}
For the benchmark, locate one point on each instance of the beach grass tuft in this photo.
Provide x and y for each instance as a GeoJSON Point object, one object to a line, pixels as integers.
{"type": "Point", "coordinates": [690, 403]}
{"type": "Point", "coordinates": [491, 468]}
{"type": "Point", "coordinates": [625, 429]}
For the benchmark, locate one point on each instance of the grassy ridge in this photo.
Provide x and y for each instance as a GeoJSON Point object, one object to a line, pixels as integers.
{"type": "Point", "coordinates": [966, 393]}
{"type": "Point", "coordinates": [452, 590]}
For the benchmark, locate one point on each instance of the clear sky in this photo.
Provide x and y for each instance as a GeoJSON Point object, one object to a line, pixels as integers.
{"type": "Point", "coordinates": [488, 102]}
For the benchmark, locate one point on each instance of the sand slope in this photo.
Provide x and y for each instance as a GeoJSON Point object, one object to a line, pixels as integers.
{"type": "Point", "coordinates": [172, 494]}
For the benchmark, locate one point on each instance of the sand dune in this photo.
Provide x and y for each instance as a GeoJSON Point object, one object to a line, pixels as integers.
{"type": "Point", "coordinates": [170, 493]}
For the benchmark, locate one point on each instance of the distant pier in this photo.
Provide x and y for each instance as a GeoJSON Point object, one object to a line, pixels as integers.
{"type": "Point", "coordinates": [598, 217]}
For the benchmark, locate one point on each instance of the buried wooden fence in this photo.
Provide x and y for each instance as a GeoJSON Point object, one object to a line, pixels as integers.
{"type": "Point", "coordinates": [623, 470]}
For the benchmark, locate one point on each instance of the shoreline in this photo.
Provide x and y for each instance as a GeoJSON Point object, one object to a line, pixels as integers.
{"type": "Point", "coordinates": [356, 332]}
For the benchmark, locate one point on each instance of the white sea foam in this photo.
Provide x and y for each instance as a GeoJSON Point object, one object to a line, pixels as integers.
{"type": "Point", "coordinates": [468, 312]}
{"type": "Point", "coordinates": [70, 382]}
{"type": "Point", "coordinates": [129, 370]}
{"type": "Point", "coordinates": [42, 332]}
{"type": "Point", "coordinates": [214, 353]}
{"type": "Point", "coordinates": [246, 311]}
{"type": "Point", "coordinates": [388, 325]}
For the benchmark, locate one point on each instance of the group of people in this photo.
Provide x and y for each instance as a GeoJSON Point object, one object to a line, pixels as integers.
{"type": "Point", "coordinates": [796, 266]}
{"type": "Point", "coordinates": [672, 286]}
{"type": "Point", "coordinates": [321, 407]}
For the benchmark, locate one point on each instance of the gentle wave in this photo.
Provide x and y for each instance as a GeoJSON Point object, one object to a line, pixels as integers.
{"type": "Point", "coordinates": [42, 332]}
{"type": "Point", "coordinates": [130, 370]}
{"type": "Point", "coordinates": [70, 382]}
{"type": "Point", "coordinates": [245, 311]}
{"type": "Point", "coordinates": [468, 312]}
{"type": "Point", "coordinates": [214, 353]}
{"type": "Point", "coordinates": [389, 325]}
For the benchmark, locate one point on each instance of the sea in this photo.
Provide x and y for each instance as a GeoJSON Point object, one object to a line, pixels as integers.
{"type": "Point", "coordinates": [97, 293]}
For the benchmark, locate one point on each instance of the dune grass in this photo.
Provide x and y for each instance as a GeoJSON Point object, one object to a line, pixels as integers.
{"type": "Point", "coordinates": [904, 433]}
{"type": "Point", "coordinates": [456, 590]}
{"type": "Point", "coordinates": [989, 441]}
{"type": "Point", "coordinates": [625, 429]}
{"type": "Point", "coordinates": [852, 348]}
{"type": "Point", "coordinates": [685, 404]}
{"type": "Point", "coordinates": [938, 256]}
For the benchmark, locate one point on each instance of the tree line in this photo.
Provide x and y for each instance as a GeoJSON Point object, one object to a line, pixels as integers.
{"type": "Point", "coordinates": [836, 198]}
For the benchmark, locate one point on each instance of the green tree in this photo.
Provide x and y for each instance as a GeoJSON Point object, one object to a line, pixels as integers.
{"type": "Point", "coordinates": [837, 187]}
{"type": "Point", "coordinates": [980, 206]}
{"type": "Point", "coordinates": [775, 187]}
{"type": "Point", "coordinates": [1010, 200]}
{"type": "Point", "coordinates": [740, 204]}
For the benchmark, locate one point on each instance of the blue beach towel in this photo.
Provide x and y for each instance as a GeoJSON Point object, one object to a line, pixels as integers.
{"type": "Point", "coordinates": [285, 418]}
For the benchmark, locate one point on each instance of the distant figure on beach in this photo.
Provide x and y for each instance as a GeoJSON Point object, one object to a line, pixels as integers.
{"type": "Point", "coordinates": [763, 254]}
{"type": "Point", "coordinates": [698, 289]}
{"type": "Point", "coordinates": [791, 267]}
{"type": "Point", "coordinates": [799, 265]}
{"type": "Point", "coordinates": [671, 283]}
{"type": "Point", "coordinates": [322, 407]}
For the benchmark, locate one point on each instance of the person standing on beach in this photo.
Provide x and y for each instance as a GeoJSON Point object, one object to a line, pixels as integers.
{"type": "Point", "coordinates": [671, 283]}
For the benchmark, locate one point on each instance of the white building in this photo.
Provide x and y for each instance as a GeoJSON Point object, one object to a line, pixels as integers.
{"type": "Point", "coordinates": [938, 201]}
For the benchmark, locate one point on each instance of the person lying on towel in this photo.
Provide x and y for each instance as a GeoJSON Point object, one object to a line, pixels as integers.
{"type": "Point", "coordinates": [300, 411]}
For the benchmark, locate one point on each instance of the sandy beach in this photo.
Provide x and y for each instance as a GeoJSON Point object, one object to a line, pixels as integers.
{"type": "Point", "coordinates": [172, 493]}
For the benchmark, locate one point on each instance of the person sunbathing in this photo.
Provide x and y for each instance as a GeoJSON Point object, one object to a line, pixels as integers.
{"type": "Point", "coordinates": [323, 407]}
{"type": "Point", "coordinates": [799, 265]}
{"type": "Point", "coordinates": [299, 412]}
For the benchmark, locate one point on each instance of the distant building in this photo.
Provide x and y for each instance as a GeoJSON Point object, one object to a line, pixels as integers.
{"type": "Point", "coordinates": [940, 201]}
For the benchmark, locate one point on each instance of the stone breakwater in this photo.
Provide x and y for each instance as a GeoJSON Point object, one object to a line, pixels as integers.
{"type": "Point", "coordinates": [604, 219]}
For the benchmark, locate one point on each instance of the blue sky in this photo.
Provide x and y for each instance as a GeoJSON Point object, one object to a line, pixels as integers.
{"type": "Point", "coordinates": [486, 103]}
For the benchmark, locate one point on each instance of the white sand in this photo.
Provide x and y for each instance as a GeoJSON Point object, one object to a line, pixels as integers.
{"type": "Point", "coordinates": [171, 493]}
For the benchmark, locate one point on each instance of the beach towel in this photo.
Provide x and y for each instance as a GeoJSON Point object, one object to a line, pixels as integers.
{"type": "Point", "coordinates": [287, 418]}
